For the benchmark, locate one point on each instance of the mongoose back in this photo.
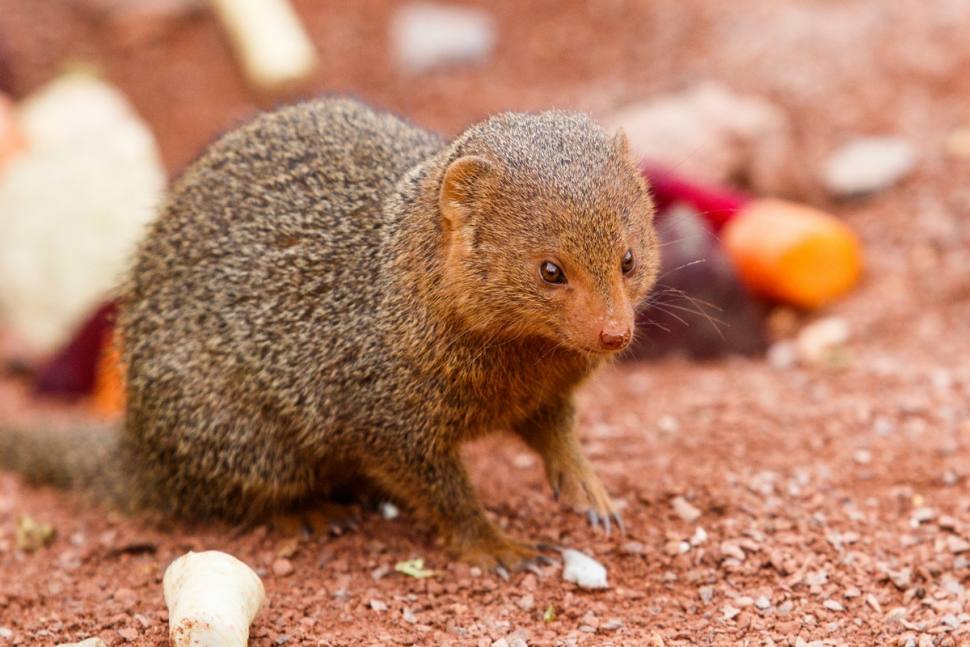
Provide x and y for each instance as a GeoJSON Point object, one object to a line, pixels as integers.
{"type": "Point", "coordinates": [329, 293]}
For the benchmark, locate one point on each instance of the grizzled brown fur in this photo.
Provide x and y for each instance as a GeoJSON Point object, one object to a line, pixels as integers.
{"type": "Point", "coordinates": [329, 292]}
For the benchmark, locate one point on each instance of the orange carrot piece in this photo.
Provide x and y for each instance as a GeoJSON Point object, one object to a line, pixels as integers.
{"type": "Point", "coordinates": [109, 385]}
{"type": "Point", "coordinates": [792, 253]}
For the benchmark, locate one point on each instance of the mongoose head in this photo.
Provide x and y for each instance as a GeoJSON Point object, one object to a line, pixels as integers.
{"type": "Point", "coordinates": [548, 231]}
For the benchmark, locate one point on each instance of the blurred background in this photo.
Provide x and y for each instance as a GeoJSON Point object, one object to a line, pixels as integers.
{"type": "Point", "coordinates": [836, 105]}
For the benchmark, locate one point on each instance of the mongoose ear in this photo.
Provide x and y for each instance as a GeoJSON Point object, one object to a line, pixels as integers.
{"type": "Point", "coordinates": [621, 143]}
{"type": "Point", "coordinates": [463, 180]}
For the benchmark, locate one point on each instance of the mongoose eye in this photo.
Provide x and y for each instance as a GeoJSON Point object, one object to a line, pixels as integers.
{"type": "Point", "coordinates": [551, 273]}
{"type": "Point", "coordinates": [628, 262]}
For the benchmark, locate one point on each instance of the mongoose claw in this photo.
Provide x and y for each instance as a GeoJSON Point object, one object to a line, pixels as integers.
{"type": "Point", "coordinates": [583, 492]}
{"type": "Point", "coordinates": [533, 568]}
{"type": "Point", "coordinates": [500, 555]}
{"type": "Point", "coordinates": [619, 522]}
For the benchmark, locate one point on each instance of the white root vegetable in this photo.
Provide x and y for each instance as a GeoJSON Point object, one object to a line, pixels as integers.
{"type": "Point", "coordinates": [73, 205]}
{"type": "Point", "coordinates": [212, 599]}
{"type": "Point", "coordinates": [274, 48]}
{"type": "Point", "coordinates": [583, 570]}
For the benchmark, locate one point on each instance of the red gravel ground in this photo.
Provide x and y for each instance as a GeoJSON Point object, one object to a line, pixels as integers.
{"type": "Point", "coordinates": [835, 503]}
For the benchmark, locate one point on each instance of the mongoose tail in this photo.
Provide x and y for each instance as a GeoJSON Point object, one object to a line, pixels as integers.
{"type": "Point", "coordinates": [76, 455]}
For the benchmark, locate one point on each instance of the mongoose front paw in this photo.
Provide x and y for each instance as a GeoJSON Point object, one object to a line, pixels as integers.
{"type": "Point", "coordinates": [500, 555]}
{"type": "Point", "coordinates": [578, 488]}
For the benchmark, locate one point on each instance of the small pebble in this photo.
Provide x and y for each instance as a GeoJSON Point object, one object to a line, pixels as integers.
{"type": "Point", "coordinates": [388, 510]}
{"type": "Point", "coordinates": [730, 549]}
{"type": "Point", "coordinates": [501, 642]}
{"type": "Point", "coordinates": [706, 593]}
{"type": "Point", "coordinates": [379, 572]}
{"type": "Point", "coordinates": [685, 510]}
{"type": "Point", "coordinates": [951, 621]}
{"type": "Point", "coordinates": [612, 624]}
{"type": "Point", "coordinates": [852, 592]}
{"type": "Point", "coordinates": [874, 603]}
{"type": "Point", "coordinates": [923, 514]}
{"type": "Point", "coordinates": [901, 578]}
{"type": "Point", "coordinates": [282, 567]}
{"type": "Point", "coordinates": [818, 342]}
{"type": "Point", "coordinates": [832, 605]}
{"type": "Point", "coordinates": [862, 456]}
{"type": "Point", "coordinates": [884, 427]}
{"type": "Point", "coordinates": [90, 642]}
{"type": "Point", "coordinates": [518, 642]}
{"type": "Point", "coordinates": [633, 548]}
{"type": "Point", "coordinates": [730, 612]}
{"type": "Point", "coordinates": [868, 164]}
{"type": "Point", "coordinates": [782, 354]}
{"type": "Point", "coordinates": [429, 35]}
{"type": "Point", "coordinates": [377, 605]}
{"type": "Point", "coordinates": [674, 548]}
{"type": "Point", "coordinates": [699, 537]}
{"type": "Point", "coordinates": [957, 545]}
{"type": "Point", "coordinates": [818, 578]}
{"type": "Point", "coordinates": [128, 634]}
{"type": "Point", "coordinates": [527, 602]}
{"type": "Point", "coordinates": [763, 603]}
{"type": "Point", "coordinates": [5, 633]}
{"type": "Point", "coordinates": [946, 522]}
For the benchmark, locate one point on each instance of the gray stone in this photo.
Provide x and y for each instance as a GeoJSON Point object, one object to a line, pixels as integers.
{"type": "Point", "coordinates": [868, 164]}
{"type": "Point", "coordinates": [429, 35]}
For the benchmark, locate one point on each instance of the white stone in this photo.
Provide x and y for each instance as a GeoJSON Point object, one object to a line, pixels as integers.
{"type": "Point", "coordinates": [428, 35]}
{"type": "Point", "coordinates": [832, 605]}
{"type": "Point", "coordinates": [817, 340]}
{"type": "Point", "coordinates": [73, 206]}
{"type": "Point", "coordinates": [699, 537]}
{"type": "Point", "coordinates": [388, 510]}
{"type": "Point", "coordinates": [868, 164]}
{"type": "Point", "coordinates": [90, 642]}
{"type": "Point", "coordinates": [782, 354]}
{"type": "Point", "coordinates": [710, 133]}
{"type": "Point", "coordinates": [583, 570]}
{"type": "Point", "coordinates": [730, 612]}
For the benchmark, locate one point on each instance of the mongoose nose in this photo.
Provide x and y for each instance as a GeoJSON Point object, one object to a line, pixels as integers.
{"type": "Point", "coordinates": [615, 336]}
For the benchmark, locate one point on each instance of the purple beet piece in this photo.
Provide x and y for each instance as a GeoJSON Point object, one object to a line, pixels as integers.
{"type": "Point", "coordinates": [73, 371]}
{"type": "Point", "coordinates": [699, 307]}
{"type": "Point", "coordinates": [716, 204]}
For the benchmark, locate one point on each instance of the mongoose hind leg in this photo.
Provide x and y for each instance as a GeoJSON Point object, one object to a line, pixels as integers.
{"type": "Point", "coordinates": [551, 432]}
{"type": "Point", "coordinates": [325, 518]}
{"type": "Point", "coordinates": [434, 482]}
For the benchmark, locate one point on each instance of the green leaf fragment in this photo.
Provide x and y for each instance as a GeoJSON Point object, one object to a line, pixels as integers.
{"type": "Point", "coordinates": [549, 615]}
{"type": "Point", "coordinates": [415, 568]}
{"type": "Point", "coordinates": [32, 535]}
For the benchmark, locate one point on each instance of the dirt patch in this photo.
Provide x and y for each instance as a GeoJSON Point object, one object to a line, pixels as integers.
{"type": "Point", "coordinates": [833, 505]}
